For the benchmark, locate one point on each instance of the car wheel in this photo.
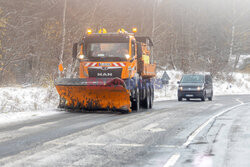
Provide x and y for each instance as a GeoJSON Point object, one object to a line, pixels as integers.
{"type": "Point", "coordinates": [211, 98]}
{"type": "Point", "coordinates": [179, 98]}
{"type": "Point", "coordinates": [203, 98]}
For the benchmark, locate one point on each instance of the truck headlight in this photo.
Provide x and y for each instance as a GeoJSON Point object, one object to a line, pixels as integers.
{"type": "Point", "coordinates": [80, 57]}
{"type": "Point", "coordinates": [180, 88]}
{"type": "Point", "coordinates": [127, 56]}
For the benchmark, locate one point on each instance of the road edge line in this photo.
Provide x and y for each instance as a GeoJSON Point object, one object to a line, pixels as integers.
{"type": "Point", "coordinates": [174, 158]}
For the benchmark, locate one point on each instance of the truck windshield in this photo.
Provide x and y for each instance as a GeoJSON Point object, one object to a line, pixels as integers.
{"type": "Point", "coordinates": [107, 51]}
{"type": "Point", "coordinates": [192, 79]}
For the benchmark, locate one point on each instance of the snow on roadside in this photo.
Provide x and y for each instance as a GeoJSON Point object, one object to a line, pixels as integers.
{"type": "Point", "coordinates": [241, 85]}
{"type": "Point", "coordinates": [17, 103]}
{"type": "Point", "coordinates": [167, 92]}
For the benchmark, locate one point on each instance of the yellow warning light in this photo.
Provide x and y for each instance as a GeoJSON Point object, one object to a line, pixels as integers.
{"type": "Point", "coordinates": [134, 30]}
{"type": "Point", "coordinates": [102, 31]}
{"type": "Point", "coordinates": [89, 31]}
{"type": "Point", "coordinates": [121, 30]}
{"type": "Point", "coordinates": [60, 67]}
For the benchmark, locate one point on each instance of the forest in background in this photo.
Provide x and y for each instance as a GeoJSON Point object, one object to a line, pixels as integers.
{"type": "Point", "coordinates": [188, 35]}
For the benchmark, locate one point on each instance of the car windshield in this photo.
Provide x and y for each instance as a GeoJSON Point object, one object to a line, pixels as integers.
{"type": "Point", "coordinates": [192, 79]}
{"type": "Point", "coordinates": [106, 51]}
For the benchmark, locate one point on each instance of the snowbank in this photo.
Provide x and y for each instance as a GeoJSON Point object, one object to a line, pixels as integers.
{"type": "Point", "coordinates": [168, 92]}
{"type": "Point", "coordinates": [239, 85]}
{"type": "Point", "coordinates": [17, 103]}
{"type": "Point", "coordinates": [16, 99]}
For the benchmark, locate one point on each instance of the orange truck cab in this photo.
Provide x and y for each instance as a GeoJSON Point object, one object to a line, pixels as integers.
{"type": "Point", "coordinates": [115, 73]}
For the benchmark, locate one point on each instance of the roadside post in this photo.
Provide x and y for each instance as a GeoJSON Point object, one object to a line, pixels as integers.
{"type": "Point", "coordinates": [165, 81]}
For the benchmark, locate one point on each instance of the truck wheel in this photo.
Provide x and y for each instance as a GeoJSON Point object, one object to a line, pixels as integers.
{"type": "Point", "coordinates": [179, 98]}
{"type": "Point", "coordinates": [151, 98]}
{"type": "Point", "coordinates": [136, 101]}
{"type": "Point", "coordinates": [147, 99]}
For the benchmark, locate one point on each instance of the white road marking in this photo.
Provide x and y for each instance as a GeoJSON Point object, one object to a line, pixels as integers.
{"type": "Point", "coordinates": [197, 131]}
{"type": "Point", "coordinates": [238, 100]}
{"type": "Point", "coordinates": [175, 157]}
{"type": "Point", "coordinates": [218, 104]}
{"type": "Point", "coordinates": [166, 146]}
{"type": "Point", "coordinates": [129, 145]}
{"type": "Point", "coordinates": [91, 144]}
{"type": "Point", "coordinates": [119, 145]}
{"type": "Point", "coordinates": [172, 160]}
{"type": "Point", "coordinates": [152, 128]}
{"type": "Point", "coordinates": [35, 127]}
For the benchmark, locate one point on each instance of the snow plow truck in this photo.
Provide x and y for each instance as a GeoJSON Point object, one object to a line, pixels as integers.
{"type": "Point", "coordinates": [116, 72]}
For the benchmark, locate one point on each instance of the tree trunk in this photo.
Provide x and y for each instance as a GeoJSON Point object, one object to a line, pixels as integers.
{"type": "Point", "coordinates": [153, 27]}
{"type": "Point", "coordinates": [1, 77]}
{"type": "Point", "coordinates": [63, 35]}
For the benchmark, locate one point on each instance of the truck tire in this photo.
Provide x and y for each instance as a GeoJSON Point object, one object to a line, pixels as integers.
{"type": "Point", "coordinates": [151, 98]}
{"type": "Point", "coordinates": [136, 101]}
{"type": "Point", "coordinates": [146, 101]}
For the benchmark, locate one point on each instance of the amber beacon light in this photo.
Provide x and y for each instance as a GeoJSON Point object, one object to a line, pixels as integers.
{"type": "Point", "coordinates": [134, 30]}
{"type": "Point", "coordinates": [89, 31]}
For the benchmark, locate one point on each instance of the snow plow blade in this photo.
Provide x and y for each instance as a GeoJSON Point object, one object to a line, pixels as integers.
{"type": "Point", "coordinates": [93, 94]}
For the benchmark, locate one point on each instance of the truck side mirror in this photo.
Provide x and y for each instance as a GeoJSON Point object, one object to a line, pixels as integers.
{"type": "Point", "coordinates": [178, 82]}
{"type": "Point", "coordinates": [74, 51]}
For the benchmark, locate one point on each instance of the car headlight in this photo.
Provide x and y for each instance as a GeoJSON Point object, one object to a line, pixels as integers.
{"type": "Point", "coordinates": [80, 57]}
{"type": "Point", "coordinates": [199, 88]}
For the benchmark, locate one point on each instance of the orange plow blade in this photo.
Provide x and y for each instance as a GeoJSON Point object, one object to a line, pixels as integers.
{"type": "Point", "coordinates": [108, 94]}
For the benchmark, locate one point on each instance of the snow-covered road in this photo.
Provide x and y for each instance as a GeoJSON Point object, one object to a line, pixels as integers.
{"type": "Point", "coordinates": [172, 133]}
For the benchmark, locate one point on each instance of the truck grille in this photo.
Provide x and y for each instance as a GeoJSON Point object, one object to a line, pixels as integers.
{"type": "Point", "coordinates": [106, 72]}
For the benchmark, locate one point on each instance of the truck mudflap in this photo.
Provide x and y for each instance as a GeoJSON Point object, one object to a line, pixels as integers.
{"type": "Point", "coordinates": [93, 94]}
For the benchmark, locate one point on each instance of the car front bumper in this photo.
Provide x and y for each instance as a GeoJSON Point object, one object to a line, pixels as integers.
{"type": "Point", "coordinates": [190, 94]}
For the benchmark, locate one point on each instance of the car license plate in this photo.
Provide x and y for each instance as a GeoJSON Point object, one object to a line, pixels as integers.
{"type": "Point", "coordinates": [189, 95]}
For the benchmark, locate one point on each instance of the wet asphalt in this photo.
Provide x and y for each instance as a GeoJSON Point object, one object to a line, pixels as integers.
{"type": "Point", "coordinates": [188, 133]}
